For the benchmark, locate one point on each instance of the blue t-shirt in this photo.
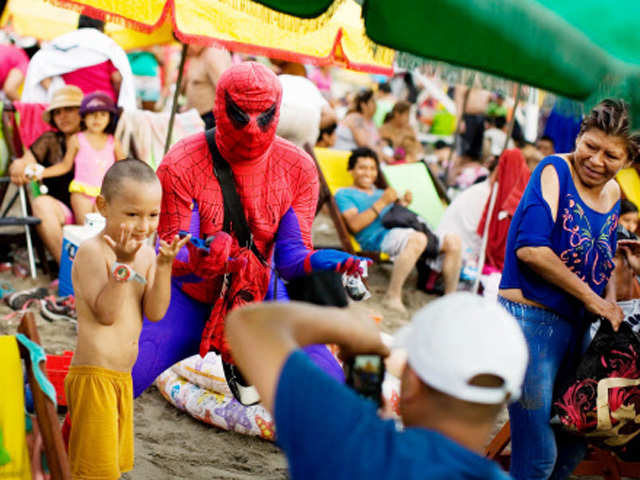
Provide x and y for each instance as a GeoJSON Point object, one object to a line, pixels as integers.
{"type": "Point", "coordinates": [584, 239]}
{"type": "Point", "coordinates": [371, 236]}
{"type": "Point", "coordinates": [327, 431]}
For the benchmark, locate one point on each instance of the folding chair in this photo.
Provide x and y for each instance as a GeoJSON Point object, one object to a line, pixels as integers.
{"type": "Point", "coordinates": [597, 462]}
{"type": "Point", "coordinates": [47, 422]}
{"type": "Point", "coordinates": [26, 221]}
{"type": "Point", "coordinates": [333, 175]}
{"type": "Point", "coordinates": [629, 181]}
{"type": "Point", "coordinates": [416, 177]}
{"type": "Point", "coordinates": [10, 132]}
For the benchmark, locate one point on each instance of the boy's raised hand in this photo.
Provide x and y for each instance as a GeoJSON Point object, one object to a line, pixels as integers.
{"type": "Point", "coordinates": [168, 251]}
{"type": "Point", "coordinates": [126, 247]}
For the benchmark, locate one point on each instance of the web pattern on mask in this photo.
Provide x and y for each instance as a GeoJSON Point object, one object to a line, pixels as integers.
{"type": "Point", "coordinates": [286, 178]}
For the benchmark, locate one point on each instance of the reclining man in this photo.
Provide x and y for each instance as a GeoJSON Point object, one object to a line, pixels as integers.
{"type": "Point", "coordinates": [466, 358]}
{"type": "Point", "coordinates": [363, 207]}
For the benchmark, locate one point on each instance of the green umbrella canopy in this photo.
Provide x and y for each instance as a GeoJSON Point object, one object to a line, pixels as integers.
{"type": "Point", "coordinates": [298, 8]}
{"type": "Point", "coordinates": [582, 49]}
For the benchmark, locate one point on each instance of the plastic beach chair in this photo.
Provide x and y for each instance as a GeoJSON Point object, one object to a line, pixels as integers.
{"type": "Point", "coordinates": [597, 461]}
{"type": "Point", "coordinates": [333, 174]}
{"type": "Point", "coordinates": [629, 181]}
{"type": "Point", "coordinates": [416, 177]}
{"type": "Point", "coordinates": [25, 220]}
{"type": "Point", "coordinates": [46, 415]}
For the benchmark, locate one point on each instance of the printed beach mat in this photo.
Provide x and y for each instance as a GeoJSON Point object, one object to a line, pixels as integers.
{"type": "Point", "coordinates": [198, 387]}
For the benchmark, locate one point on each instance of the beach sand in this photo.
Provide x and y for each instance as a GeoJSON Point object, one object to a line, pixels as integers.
{"type": "Point", "coordinates": [170, 444]}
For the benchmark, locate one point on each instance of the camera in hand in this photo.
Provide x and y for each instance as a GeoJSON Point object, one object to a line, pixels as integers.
{"type": "Point", "coordinates": [365, 374]}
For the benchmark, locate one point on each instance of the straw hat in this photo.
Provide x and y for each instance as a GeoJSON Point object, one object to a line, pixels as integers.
{"type": "Point", "coordinates": [67, 96]}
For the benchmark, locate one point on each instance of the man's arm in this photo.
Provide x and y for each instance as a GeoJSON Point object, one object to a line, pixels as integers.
{"type": "Point", "coordinates": [359, 221]}
{"type": "Point", "coordinates": [262, 336]}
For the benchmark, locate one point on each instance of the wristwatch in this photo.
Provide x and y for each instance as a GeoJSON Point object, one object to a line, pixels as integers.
{"type": "Point", "coordinates": [122, 272]}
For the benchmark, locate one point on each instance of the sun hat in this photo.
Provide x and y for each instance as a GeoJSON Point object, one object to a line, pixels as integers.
{"type": "Point", "coordinates": [67, 96]}
{"type": "Point", "coordinates": [459, 336]}
{"type": "Point", "coordinates": [98, 102]}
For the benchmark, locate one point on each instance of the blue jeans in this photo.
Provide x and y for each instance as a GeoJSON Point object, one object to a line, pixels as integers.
{"type": "Point", "coordinates": [538, 450]}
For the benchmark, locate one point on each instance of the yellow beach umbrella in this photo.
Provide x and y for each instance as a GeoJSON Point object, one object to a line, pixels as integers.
{"type": "Point", "coordinates": [41, 20]}
{"type": "Point", "coordinates": [337, 37]}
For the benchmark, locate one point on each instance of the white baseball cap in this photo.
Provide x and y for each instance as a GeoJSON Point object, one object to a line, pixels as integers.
{"type": "Point", "coordinates": [459, 336]}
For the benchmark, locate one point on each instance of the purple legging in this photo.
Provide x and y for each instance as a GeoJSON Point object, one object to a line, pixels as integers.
{"type": "Point", "coordinates": [177, 336]}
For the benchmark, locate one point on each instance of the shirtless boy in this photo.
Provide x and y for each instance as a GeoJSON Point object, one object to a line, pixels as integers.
{"type": "Point", "coordinates": [117, 279]}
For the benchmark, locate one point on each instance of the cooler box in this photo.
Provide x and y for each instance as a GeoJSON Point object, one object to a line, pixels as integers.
{"type": "Point", "coordinates": [72, 237]}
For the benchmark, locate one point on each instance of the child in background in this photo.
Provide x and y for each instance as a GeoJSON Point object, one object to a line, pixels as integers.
{"type": "Point", "coordinates": [91, 151]}
{"type": "Point", "coordinates": [117, 279]}
{"type": "Point", "coordinates": [628, 215]}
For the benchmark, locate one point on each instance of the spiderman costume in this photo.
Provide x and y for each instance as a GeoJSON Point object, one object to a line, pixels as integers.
{"type": "Point", "coordinates": [277, 184]}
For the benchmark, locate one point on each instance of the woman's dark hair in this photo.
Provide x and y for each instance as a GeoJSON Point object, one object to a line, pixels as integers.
{"type": "Point", "coordinates": [612, 117]}
{"type": "Point", "coordinates": [362, 152]}
{"type": "Point", "coordinates": [384, 87]}
{"type": "Point", "coordinates": [327, 130]}
{"type": "Point", "coordinates": [362, 97]}
{"type": "Point", "coordinates": [627, 206]}
{"type": "Point", "coordinates": [399, 108]}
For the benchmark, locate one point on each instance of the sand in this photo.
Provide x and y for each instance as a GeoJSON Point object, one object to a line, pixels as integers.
{"type": "Point", "coordinates": [169, 443]}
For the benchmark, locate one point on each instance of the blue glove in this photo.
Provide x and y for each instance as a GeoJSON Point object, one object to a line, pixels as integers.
{"type": "Point", "coordinates": [335, 260]}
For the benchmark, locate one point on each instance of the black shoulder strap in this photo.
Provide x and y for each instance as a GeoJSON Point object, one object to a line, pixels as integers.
{"type": "Point", "coordinates": [234, 217]}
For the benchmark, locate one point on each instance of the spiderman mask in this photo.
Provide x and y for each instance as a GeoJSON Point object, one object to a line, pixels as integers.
{"type": "Point", "coordinates": [247, 109]}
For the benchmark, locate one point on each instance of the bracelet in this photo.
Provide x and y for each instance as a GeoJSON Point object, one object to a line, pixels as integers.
{"type": "Point", "coordinates": [373, 207]}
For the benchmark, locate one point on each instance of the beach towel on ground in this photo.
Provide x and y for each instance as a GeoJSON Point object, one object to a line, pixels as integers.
{"type": "Point", "coordinates": [30, 123]}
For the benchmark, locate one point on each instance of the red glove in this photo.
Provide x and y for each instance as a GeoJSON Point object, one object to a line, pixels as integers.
{"type": "Point", "coordinates": [207, 262]}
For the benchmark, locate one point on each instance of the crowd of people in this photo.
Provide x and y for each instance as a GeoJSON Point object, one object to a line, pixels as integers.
{"type": "Point", "coordinates": [232, 209]}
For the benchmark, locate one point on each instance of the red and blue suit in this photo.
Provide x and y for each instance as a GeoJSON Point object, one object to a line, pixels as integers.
{"type": "Point", "coordinates": [277, 183]}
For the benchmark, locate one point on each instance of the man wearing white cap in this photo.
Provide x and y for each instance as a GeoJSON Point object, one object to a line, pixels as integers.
{"type": "Point", "coordinates": [466, 357]}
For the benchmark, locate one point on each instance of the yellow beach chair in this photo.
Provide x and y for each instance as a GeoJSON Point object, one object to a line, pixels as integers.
{"type": "Point", "coordinates": [332, 170]}
{"type": "Point", "coordinates": [629, 181]}
{"type": "Point", "coordinates": [15, 463]}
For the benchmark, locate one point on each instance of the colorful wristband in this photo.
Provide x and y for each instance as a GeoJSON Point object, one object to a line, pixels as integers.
{"type": "Point", "coordinates": [122, 272]}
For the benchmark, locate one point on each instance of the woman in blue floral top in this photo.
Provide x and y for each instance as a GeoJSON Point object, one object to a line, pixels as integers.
{"type": "Point", "coordinates": [559, 258]}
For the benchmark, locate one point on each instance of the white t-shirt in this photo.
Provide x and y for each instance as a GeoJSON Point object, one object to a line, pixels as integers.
{"type": "Point", "coordinates": [463, 215]}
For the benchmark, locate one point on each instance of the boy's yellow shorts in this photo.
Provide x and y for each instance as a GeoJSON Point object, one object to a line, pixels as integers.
{"type": "Point", "coordinates": [100, 405]}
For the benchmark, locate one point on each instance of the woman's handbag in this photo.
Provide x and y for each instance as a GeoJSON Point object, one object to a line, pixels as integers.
{"type": "Point", "coordinates": [602, 400]}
